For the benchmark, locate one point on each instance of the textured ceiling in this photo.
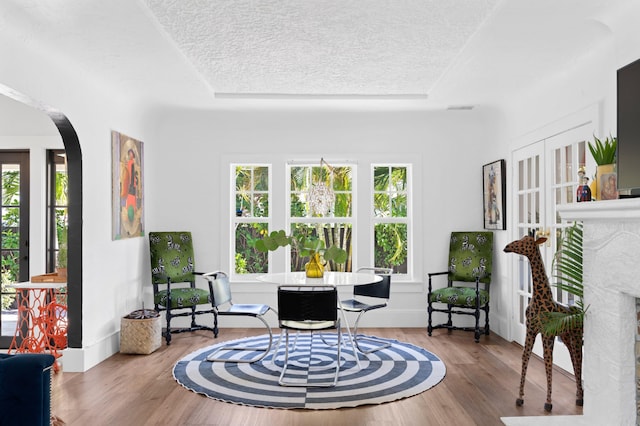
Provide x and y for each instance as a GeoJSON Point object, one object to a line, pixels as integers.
{"type": "Point", "coordinates": [199, 53]}
{"type": "Point", "coordinates": [328, 47]}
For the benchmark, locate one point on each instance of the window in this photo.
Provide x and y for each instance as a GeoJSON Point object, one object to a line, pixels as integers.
{"type": "Point", "coordinates": [337, 225]}
{"type": "Point", "coordinates": [57, 210]}
{"type": "Point", "coordinates": [14, 236]}
{"type": "Point", "coordinates": [251, 220]}
{"type": "Point", "coordinates": [390, 217]}
{"type": "Point", "coordinates": [263, 205]}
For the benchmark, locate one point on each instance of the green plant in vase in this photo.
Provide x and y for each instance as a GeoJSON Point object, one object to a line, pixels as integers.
{"type": "Point", "coordinates": [307, 246]}
{"type": "Point", "coordinates": [604, 154]}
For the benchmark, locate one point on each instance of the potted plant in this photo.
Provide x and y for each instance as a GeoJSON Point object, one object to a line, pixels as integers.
{"type": "Point", "coordinates": [310, 246]}
{"type": "Point", "coordinates": [604, 154]}
{"type": "Point", "coordinates": [567, 267]}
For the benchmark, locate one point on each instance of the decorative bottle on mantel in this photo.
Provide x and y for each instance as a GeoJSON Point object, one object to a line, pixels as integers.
{"type": "Point", "coordinates": [584, 192]}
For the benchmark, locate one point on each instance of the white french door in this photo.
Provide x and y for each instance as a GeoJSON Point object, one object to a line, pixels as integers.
{"type": "Point", "coordinates": [545, 175]}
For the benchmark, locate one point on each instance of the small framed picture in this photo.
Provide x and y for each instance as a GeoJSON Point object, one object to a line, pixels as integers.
{"type": "Point", "coordinates": [494, 195]}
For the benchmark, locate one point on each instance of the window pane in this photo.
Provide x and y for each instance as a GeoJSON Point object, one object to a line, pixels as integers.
{"type": "Point", "coordinates": [337, 193]}
{"type": "Point", "coordinates": [399, 178]}
{"type": "Point", "coordinates": [10, 264]}
{"type": "Point", "coordinates": [380, 178]}
{"type": "Point", "coordinates": [343, 205]}
{"type": "Point", "coordinates": [342, 179]}
{"type": "Point", "coordinates": [247, 259]}
{"type": "Point", "coordinates": [338, 234]}
{"type": "Point", "coordinates": [243, 179]}
{"type": "Point", "coordinates": [399, 205]}
{"type": "Point", "coordinates": [10, 185]}
{"type": "Point", "coordinates": [391, 246]}
{"type": "Point", "coordinates": [298, 205]}
{"type": "Point", "coordinates": [300, 179]}
{"type": "Point", "coordinates": [261, 179]}
{"type": "Point", "coordinates": [261, 205]}
{"type": "Point", "coordinates": [381, 205]}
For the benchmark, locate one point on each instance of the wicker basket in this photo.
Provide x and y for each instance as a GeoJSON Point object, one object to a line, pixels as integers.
{"type": "Point", "coordinates": [140, 334]}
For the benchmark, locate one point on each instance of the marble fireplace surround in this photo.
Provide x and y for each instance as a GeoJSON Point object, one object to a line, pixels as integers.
{"type": "Point", "coordinates": [611, 285]}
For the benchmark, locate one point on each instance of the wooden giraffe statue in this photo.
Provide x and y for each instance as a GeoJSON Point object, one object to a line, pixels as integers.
{"type": "Point", "coordinates": [541, 303]}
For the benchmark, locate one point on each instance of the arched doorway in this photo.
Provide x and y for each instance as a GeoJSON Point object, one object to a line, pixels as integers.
{"type": "Point", "coordinates": [74, 170]}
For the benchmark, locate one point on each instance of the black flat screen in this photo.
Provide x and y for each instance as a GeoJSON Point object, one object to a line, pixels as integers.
{"type": "Point", "coordinates": [628, 156]}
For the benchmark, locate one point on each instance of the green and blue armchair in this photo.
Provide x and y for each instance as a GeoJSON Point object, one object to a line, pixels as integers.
{"type": "Point", "coordinates": [468, 281]}
{"type": "Point", "coordinates": [173, 266]}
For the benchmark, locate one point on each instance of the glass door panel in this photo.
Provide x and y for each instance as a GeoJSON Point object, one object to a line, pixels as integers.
{"type": "Point", "coordinates": [547, 173]}
{"type": "Point", "coordinates": [14, 235]}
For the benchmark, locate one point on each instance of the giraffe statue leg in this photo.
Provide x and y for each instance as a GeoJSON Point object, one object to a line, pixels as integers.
{"type": "Point", "coordinates": [573, 341]}
{"type": "Point", "coordinates": [526, 354]}
{"type": "Point", "coordinates": [547, 346]}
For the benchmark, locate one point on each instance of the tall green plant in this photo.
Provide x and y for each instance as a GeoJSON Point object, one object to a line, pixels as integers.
{"type": "Point", "coordinates": [567, 271]}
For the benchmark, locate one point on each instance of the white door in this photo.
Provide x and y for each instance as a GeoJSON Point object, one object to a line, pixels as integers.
{"type": "Point", "coordinates": [546, 175]}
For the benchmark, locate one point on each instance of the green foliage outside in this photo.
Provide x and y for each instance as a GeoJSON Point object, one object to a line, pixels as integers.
{"type": "Point", "coordinates": [390, 201]}
{"type": "Point", "coordinates": [10, 267]}
{"type": "Point", "coordinates": [391, 246]}
{"type": "Point", "coordinates": [247, 259]}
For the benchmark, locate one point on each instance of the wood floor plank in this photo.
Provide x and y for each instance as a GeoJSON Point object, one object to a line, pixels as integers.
{"type": "Point", "coordinates": [480, 386]}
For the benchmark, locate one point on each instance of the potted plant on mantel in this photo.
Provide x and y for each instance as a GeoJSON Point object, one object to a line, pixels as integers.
{"type": "Point", "coordinates": [604, 154]}
{"type": "Point", "coordinates": [310, 246]}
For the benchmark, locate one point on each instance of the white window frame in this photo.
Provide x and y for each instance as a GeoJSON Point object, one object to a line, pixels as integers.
{"type": "Point", "coordinates": [326, 219]}
{"type": "Point", "coordinates": [362, 215]}
{"type": "Point", "coordinates": [408, 220]}
{"type": "Point", "coordinates": [235, 220]}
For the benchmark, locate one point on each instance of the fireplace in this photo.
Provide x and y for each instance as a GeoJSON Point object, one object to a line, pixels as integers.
{"type": "Point", "coordinates": [612, 323]}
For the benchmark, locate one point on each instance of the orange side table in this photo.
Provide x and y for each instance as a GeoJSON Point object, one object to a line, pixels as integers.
{"type": "Point", "coordinates": [42, 319]}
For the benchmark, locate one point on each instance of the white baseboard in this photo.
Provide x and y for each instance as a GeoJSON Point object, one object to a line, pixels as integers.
{"type": "Point", "coordinates": [80, 360]}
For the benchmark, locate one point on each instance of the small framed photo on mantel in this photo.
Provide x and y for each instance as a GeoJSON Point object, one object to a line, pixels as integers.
{"type": "Point", "coordinates": [494, 195]}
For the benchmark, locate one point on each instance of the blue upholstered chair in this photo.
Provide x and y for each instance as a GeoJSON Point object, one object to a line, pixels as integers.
{"type": "Point", "coordinates": [25, 389]}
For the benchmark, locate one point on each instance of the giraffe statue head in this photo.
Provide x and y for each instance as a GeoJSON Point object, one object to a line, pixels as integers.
{"type": "Point", "coordinates": [526, 246]}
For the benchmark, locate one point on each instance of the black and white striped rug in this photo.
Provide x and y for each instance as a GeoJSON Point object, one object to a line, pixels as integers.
{"type": "Point", "coordinates": [399, 371]}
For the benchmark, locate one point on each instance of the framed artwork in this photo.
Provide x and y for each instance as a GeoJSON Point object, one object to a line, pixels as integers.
{"type": "Point", "coordinates": [494, 195]}
{"type": "Point", "coordinates": [127, 156]}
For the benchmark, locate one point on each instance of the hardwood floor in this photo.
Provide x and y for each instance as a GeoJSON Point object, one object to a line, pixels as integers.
{"type": "Point", "coordinates": [481, 385]}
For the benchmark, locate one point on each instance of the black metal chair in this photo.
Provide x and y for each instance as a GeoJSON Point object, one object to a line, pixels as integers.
{"type": "Point", "coordinates": [224, 306]}
{"type": "Point", "coordinates": [368, 297]}
{"type": "Point", "coordinates": [308, 309]}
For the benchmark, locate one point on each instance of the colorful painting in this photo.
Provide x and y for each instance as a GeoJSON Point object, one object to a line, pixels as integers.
{"type": "Point", "coordinates": [494, 199]}
{"type": "Point", "coordinates": [128, 193]}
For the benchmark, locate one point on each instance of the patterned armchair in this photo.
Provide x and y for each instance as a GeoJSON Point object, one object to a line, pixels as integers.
{"type": "Point", "coordinates": [468, 281]}
{"type": "Point", "coordinates": [173, 266]}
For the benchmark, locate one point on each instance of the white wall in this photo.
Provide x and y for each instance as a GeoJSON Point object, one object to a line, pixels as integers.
{"type": "Point", "coordinates": [112, 271]}
{"type": "Point", "coordinates": [562, 101]}
{"type": "Point", "coordinates": [187, 156]}
{"type": "Point", "coordinates": [184, 183]}
{"type": "Point", "coordinates": [184, 151]}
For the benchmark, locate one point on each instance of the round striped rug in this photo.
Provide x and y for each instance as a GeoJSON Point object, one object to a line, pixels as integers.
{"type": "Point", "coordinates": [399, 371]}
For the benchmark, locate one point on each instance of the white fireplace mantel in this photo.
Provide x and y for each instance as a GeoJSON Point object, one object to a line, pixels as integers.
{"type": "Point", "coordinates": [611, 272]}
